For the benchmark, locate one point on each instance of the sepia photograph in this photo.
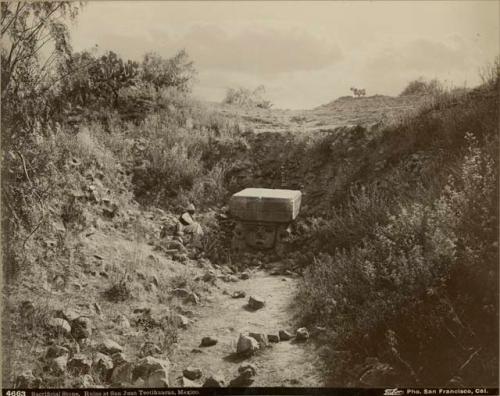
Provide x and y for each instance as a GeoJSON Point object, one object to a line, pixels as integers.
{"type": "Point", "coordinates": [250, 197]}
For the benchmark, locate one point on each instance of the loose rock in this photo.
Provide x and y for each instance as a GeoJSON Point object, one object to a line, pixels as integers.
{"type": "Point", "coordinates": [238, 294]}
{"type": "Point", "coordinates": [80, 364]}
{"type": "Point", "coordinates": [255, 302]}
{"type": "Point", "coordinates": [58, 365]}
{"type": "Point", "coordinates": [60, 325]}
{"type": "Point", "coordinates": [261, 339]}
{"type": "Point", "coordinates": [273, 338]}
{"type": "Point", "coordinates": [214, 381]}
{"type": "Point", "coordinates": [246, 345]}
{"type": "Point", "coordinates": [122, 321]}
{"type": "Point", "coordinates": [192, 373]}
{"type": "Point", "coordinates": [55, 351]}
{"type": "Point", "coordinates": [244, 275]}
{"type": "Point", "coordinates": [109, 347]}
{"type": "Point", "coordinates": [208, 341]}
{"type": "Point", "coordinates": [153, 371]}
{"type": "Point", "coordinates": [302, 334]}
{"type": "Point", "coordinates": [81, 328]}
{"type": "Point", "coordinates": [285, 335]}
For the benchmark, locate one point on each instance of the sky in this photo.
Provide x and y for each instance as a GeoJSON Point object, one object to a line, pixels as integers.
{"type": "Point", "coordinates": [304, 53]}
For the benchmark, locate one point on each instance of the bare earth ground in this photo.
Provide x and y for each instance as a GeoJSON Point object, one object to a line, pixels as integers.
{"type": "Point", "coordinates": [287, 363]}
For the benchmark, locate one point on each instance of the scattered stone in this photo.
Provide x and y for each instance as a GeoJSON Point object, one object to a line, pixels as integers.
{"type": "Point", "coordinates": [255, 302]}
{"type": "Point", "coordinates": [85, 381]}
{"type": "Point", "coordinates": [102, 364]}
{"type": "Point", "coordinates": [109, 347]}
{"type": "Point", "coordinates": [273, 338]}
{"type": "Point", "coordinates": [231, 278]}
{"type": "Point", "coordinates": [238, 294]}
{"type": "Point", "coordinates": [80, 364]}
{"type": "Point", "coordinates": [68, 314]}
{"type": "Point", "coordinates": [58, 365]}
{"type": "Point", "coordinates": [214, 381]}
{"type": "Point", "coordinates": [81, 328]}
{"type": "Point", "coordinates": [149, 348]}
{"type": "Point", "coordinates": [60, 325]}
{"type": "Point", "coordinates": [302, 334]}
{"type": "Point", "coordinates": [27, 380]}
{"type": "Point", "coordinates": [193, 298]}
{"type": "Point", "coordinates": [55, 351]}
{"type": "Point", "coordinates": [285, 335]}
{"type": "Point", "coordinates": [261, 339]}
{"type": "Point", "coordinates": [246, 345]}
{"type": "Point", "coordinates": [208, 341]}
{"type": "Point", "coordinates": [245, 377]}
{"type": "Point", "coordinates": [122, 321]}
{"type": "Point", "coordinates": [153, 371]}
{"type": "Point", "coordinates": [248, 367]}
{"type": "Point", "coordinates": [182, 321]}
{"type": "Point", "coordinates": [196, 350]}
{"type": "Point", "coordinates": [192, 373]}
{"type": "Point", "coordinates": [155, 280]}
{"type": "Point", "coordinates": [122, 373]}
{"type": "Point", "coordinates": [209, 276]}
{"type": "Point", "coordinates": [244, 275]}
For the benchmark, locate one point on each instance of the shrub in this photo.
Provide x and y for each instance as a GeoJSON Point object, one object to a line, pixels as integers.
{"type": "Point", "coordinates": [247, 98]}
{"type": "Point", "coordinates": [422, 87]}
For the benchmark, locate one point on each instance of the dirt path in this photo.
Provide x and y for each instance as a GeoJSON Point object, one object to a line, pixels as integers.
{"type": "Point", "coordinates": [287, 363]}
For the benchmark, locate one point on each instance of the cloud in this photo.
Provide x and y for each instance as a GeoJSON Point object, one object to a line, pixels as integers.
{"type": "Point", "coordinates": [261, 50]}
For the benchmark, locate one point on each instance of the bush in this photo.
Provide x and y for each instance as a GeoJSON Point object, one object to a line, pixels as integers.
{"type": "Point", "coordinates": [247, 98]}
{"type": "Point", "coordinates": [422, 87]}
{"type": "Point", "coordinates": [419, 261]}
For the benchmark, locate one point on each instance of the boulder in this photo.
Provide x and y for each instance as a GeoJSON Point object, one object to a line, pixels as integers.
{"type": "Point", "coordinates": [285, 335]}
{"type": "Point", "coordinates": [245, 377]}
{"type": "Point", "coordinates": [60, 325]}
{"type": "Point", "coordinates": [122, 321]}
{"type": "Point", "coordinates": [122, 373]}
{"type": "Point", "coordinates": [102, 364]}
{"type": "Point", "coordinates": [255, 302]}
{"type": "Point", "coordinates": [244, 275]}
{"type": "Point", "coordinates": [192, 373]}
{"type": "Point", "coordinates": [55, 351]}
{"type": "Point", "coordinates": [80, 364]}
{"type": "Point", "coordinates": [27, 380]}
{"type": "Point", "coordinates": [109, 347]}
{"type": "Point", "coordinates": [149, 348]}
{"type": "Point", "coordinates": [214, 381]}
{"type": "Point", "coordinates": [68, 314]}
{"type": "Point", "coordinates": [273, 338]}
{"type": "Point", "coordinates": [302, 334]}
{"type": "Point", "coordinates": [261, 339]}
{"type": "Point", "coordinates": [85, 381]}
{"type": "Point", "coordinates": [208, 341]}
{"type": "Point", "coordinates": [59, 364]}
{"type": "Point", "coordinates": [81, 328]}
{"type": "Point", "coordinates": [246, 345]}
{"type": "Point", "coordinates": [247, 367]}
{"type": "Point", "coordinates": [153, 371]}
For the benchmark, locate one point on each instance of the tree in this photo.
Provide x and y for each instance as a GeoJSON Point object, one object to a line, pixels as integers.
{"type": "Point", "coordinates": [177, 72]}
{"type": "Point", "coordinates": [34, 38]}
